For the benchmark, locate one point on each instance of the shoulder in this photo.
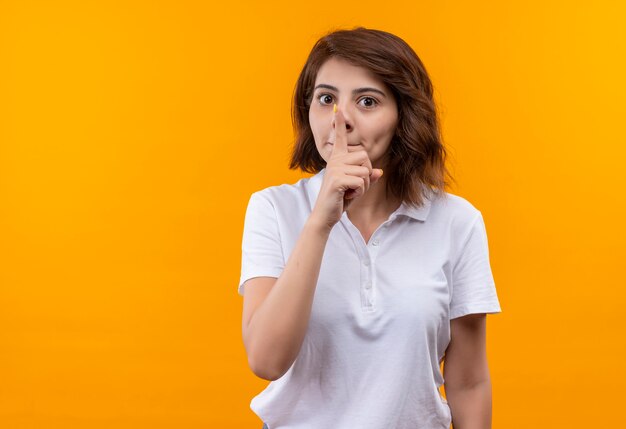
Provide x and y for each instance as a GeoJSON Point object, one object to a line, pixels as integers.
{"type": "Point", "coordinates": [458, 206]}
{"type": "Point", "coordinates": [283, 196]}
{"type": "Point", "coordinates": [458, 213]}
{"type": "Point", "coordinates": [462, 222]}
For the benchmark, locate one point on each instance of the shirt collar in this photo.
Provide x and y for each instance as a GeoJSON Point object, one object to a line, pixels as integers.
{"type": "Point", "coordinates": [420, 213]}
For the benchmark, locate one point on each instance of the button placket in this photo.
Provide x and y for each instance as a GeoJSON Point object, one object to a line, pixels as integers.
{"type": "Point", "coordinates": [366, 280]}
{"type": "Point", "coordinates": [368, 284]}
{"type": "Point", "coordinates": [367, 253]}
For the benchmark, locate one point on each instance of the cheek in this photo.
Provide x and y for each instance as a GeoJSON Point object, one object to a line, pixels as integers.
{"type": "Point", "coordinates": [314, 124]}
{"type": "Point", "coordinates": [381, 132]}
{"type": "Point", "coordinates": [389, 127]}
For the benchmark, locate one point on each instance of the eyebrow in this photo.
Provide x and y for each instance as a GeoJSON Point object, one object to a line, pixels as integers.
{"type": "Point", "coordinates": [354, 92]}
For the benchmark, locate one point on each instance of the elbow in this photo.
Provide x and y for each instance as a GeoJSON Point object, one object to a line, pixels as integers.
{"type": "Point", "coordinates": [484, 383]}
{"type": "Point", "coordinates": [264, 365]}
{"type": "Point", "coordinates": [265, 360]}
{"type": "Point", "coordinates": [266, 372]}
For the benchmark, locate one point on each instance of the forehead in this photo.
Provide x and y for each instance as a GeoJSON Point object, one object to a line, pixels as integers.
{"type": "Point", "coordinates": [339, 72]}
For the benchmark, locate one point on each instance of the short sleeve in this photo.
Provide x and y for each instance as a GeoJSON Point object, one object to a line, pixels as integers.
{"type": "Point", "coordinates": [473, 287]}
{"type": "Point", "coordinates": [261, 250]}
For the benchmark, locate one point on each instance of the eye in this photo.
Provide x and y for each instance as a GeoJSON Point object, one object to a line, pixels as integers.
{"type": "Point", "coordinates": [325, 99]}
{"type": "Point", "coordinates": [370, 102]}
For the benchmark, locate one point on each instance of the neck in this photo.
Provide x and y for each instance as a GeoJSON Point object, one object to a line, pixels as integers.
{"type": "Point", "coordinates": [374, 204]}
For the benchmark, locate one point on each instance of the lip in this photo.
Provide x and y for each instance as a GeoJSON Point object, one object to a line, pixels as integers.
{"type": "Point", "coordinates": [358, 144]}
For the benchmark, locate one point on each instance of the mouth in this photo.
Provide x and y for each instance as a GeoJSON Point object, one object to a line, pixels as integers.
{"type": "Point", "coordinates": [358, 144]}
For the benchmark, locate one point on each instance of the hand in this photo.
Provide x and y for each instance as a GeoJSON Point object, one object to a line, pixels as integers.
{"type": "Point", "coordinates": [348, 176]}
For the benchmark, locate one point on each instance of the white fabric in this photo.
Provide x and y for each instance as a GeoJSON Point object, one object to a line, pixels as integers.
{"type": "Point", "coordinates": [380, 321]}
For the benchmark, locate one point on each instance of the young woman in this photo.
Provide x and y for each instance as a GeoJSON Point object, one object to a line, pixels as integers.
{"type": "Point", "coordinates": [360, 281]}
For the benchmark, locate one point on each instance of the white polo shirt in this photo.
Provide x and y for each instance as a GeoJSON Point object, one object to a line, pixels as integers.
{"type": "Point", "coordinates": [380, 321]}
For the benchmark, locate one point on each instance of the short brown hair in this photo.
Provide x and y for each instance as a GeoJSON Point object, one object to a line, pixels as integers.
{"type": "Point", "coordinates": [416, 152]}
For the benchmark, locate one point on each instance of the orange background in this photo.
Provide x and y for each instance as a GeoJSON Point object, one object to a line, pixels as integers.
{"type": "Point", "coordinates": [133, 133]}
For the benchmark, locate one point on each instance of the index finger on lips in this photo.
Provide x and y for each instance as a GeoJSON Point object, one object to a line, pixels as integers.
{"type": "Point", "coordinates": [340, 145]}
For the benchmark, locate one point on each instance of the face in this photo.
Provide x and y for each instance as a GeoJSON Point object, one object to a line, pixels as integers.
{"type": "Point", "coordinates": [369, 108]}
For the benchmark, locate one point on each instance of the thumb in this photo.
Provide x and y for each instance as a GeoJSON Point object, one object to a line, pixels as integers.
{"type": "Point", "coordinates": [377, 173]}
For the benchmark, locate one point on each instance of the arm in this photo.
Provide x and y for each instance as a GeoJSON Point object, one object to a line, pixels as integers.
{"type": "Point", "coordinates": [274, 333]}
{"type": "Point", "coordinates": [275, 330]}
{"type": "Point", "coordinates": [466, 373]}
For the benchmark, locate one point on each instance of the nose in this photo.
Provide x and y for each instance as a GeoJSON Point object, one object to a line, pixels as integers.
{"type": "Point", "coordinates": [347, 115]}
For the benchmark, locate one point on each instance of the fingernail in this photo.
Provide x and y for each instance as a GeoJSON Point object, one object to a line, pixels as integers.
{"type": "Point", "coordinates": [334, 108]}
{"type": "Point", "coordinates": [381, 172]}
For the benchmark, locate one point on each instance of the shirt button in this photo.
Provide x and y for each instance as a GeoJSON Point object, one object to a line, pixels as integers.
{"type": "Point", "coordinates": [368, 285]}
{"type": "Point", "coordinates": [366, 263]}
{"type": "Point", "coordinates": [375, 243]}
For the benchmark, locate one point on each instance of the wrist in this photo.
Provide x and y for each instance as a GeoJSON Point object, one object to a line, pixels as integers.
{"type": "Point", "coordinates": [318, 225]}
